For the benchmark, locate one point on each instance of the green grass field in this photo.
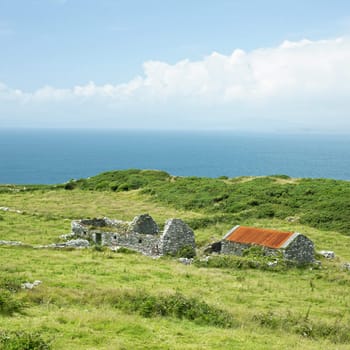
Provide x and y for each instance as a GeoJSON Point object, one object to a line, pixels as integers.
{"type": "Point", "coordinates": [91, 299]}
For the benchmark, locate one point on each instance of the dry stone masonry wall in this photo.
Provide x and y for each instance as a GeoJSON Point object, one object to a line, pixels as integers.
{"type": "Point", "coordinates": [301, 249]}
{"type": "Point", "coordinates": [141, 234]}
{"type": "Point", "coordinates": [176, 235]}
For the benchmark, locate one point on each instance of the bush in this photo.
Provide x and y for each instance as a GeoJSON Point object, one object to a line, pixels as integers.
{"type": "Point", "coordinates": [99, 248]}
{"type": "Point", "coordinates": [283, 177]}
{"type": "Point", "coordinates": [8, 303]}
{"type": "Point", "coordinates": [22, 341]}
{"type": "Point", "coordinates": [222, 261]}
{"type": "Point", "coordinates": [265, 211]}
{"type": "Point", "coordinates": [198, 223]}
{"type": "Point", "coordinates": [252, 260]}
{"type": "Point", "coordinates": [321, 203]}
{"type": "Point", "coordinates": [11, 284]}
{"type": "Point", "coordinates": [71, 185]}
{"type": "Point", "coordinates": [186, 252]}
{"type": "Point", "coordinates": [255, 251]}
{"type": "Point", "coordinates": [123, 180]}
{"type": "Point", "coordinates": [303, 325]}
{"type": "Point", "coordinates": [114, 186]}
{"type": "Point", "coordinates": [124, 187]}
{"type": "Point", "coordinates": [175, 305]}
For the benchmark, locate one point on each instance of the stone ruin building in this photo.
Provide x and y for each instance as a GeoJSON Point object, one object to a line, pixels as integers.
{"type": "Point", "coordinates": [293, 245]}
{"type": "Point", "coordinates": [142, 234]}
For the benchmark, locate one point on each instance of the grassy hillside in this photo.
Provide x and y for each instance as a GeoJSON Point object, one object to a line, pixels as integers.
{"type": "Point", "coordinates": [92, 299]}
{"type": "Point", "coordinates": [320, 203]}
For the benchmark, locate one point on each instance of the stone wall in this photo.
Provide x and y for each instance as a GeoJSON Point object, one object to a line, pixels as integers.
{"type": "Point", "coordinates": [176, 235]}
{"type": "Point", "coordinates": [140, 235]}
{"type": "Point", "coordinates": [146, 244]}
{"type": "Point", "coordinates": [144, 224]}
{"type": "Point", "coordinates": [235, 248]}
{"type": "Point", "coordinates": [85, 227]}
{"type": "Point", "coordinates": [301, 250]}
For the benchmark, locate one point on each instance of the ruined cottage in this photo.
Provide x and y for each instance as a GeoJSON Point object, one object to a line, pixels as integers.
{"type": "Point", "coordinates": [293, 245]}
{"type": "Point", "coordinates": [141, 234]}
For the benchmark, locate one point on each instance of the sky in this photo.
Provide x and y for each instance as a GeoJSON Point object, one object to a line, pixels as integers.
{"type": "Point", "coordinates": [252, 65]}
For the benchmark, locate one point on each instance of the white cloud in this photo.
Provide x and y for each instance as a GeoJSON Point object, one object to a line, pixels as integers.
{"type": "Point", "coordinates": [297, 83]}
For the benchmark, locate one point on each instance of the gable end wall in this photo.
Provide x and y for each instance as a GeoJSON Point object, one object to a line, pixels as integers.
{"type": "Point", "coordinates": [301, 250]}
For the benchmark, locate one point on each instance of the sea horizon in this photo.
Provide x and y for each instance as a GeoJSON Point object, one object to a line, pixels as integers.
{"type": "Point", "coordinates": [56, 155]}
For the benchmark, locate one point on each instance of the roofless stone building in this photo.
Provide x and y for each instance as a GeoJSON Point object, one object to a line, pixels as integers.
{"type": "Point", "coordinates": [141, 234]}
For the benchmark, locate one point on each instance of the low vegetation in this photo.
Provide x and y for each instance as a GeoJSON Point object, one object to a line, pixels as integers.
{"type": "Point", "coordinates": [321, 203]}
{"type": "Point", "coordinates": [22, 340]}
{"type": "Point", "coordinates": [337, 332]}
{"type": "Point", "coordinates": [170, 305]}
{"type": "Point", "coordinates": [99, 299]}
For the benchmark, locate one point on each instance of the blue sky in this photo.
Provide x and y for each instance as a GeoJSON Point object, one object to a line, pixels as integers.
{"type": "Point", "coordinates": [176, 64]}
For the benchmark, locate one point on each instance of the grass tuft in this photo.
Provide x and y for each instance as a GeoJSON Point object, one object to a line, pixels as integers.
{"type": "Point", "coordinates": [20, 340]}
{"type": "Point", "coordinates": [335, 332]}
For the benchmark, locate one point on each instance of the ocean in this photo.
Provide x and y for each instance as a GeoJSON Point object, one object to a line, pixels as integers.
{"type": "Point", "coordinates": [56, 156]}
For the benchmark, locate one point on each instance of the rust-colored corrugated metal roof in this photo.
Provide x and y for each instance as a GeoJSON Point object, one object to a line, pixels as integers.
{"type": "Point", "coordinates": [260, 236]}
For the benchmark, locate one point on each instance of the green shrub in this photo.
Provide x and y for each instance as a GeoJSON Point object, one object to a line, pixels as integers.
{"type": "Point", "coordinates": [303, 325]}
{"type": "Point", "coordinates": [186, 252]}
{"type": "Point", "coordinates": [11, 284]}
{"type": "Point", "coordinates": [174, 305]}
{"type": "Point", "coordinates": [71, 185]}
{"type": "Point", "coordinates": [99, 248]}
{"type": "Point", "coordinates": [265, 211]}
{"type": "Point", "coordinates": [117, 180]}
{"type": "Point", "coordinates": [198, 223]}
{"type": "Point", "coordinates": [255, 251]}
{"type": "Point", "coordinates": [114, 186]}
{"type": "Point", "coordinates": [222, 261]}
{"type": "Point", "coordinates": [8, 303]}
{"type": "Point", "coordinates": [124, 187]}
{"type": "Point", "coordinates": [22, 341]}
{"type": "Point", "coordinates": [252, 260]}
{"type": "Point", "coordinates": [321, 203]}
{"type": "Point", "coordinates": [278, 176]}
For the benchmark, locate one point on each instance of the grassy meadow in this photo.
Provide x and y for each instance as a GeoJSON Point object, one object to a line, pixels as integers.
{"type": "Point", "coordinates": [99, 299]}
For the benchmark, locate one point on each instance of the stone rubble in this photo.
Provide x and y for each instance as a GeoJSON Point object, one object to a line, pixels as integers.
{"type": "Point", "coordinates": [185, 261]}
{"type": "Point", "coordinates": [67, 236]}
{"type": "Point", "coordinates": [11, 210]}
{"type": "Point", "coordinates": [74, 243]}
{"type": "Point", "coordinates": [328, 254]}
{"type": "Point", "coordinates": [346, 266]}
{"type": "Point", "coordinates": [272, 263]}
{"type": "Point", "coordinates": [28, 285]}
{"type": "Point", "coordinates": [11, 243]}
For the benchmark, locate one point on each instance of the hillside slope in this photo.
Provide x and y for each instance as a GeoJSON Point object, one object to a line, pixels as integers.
{"type": "Point", "coordinates": [98, 299]}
